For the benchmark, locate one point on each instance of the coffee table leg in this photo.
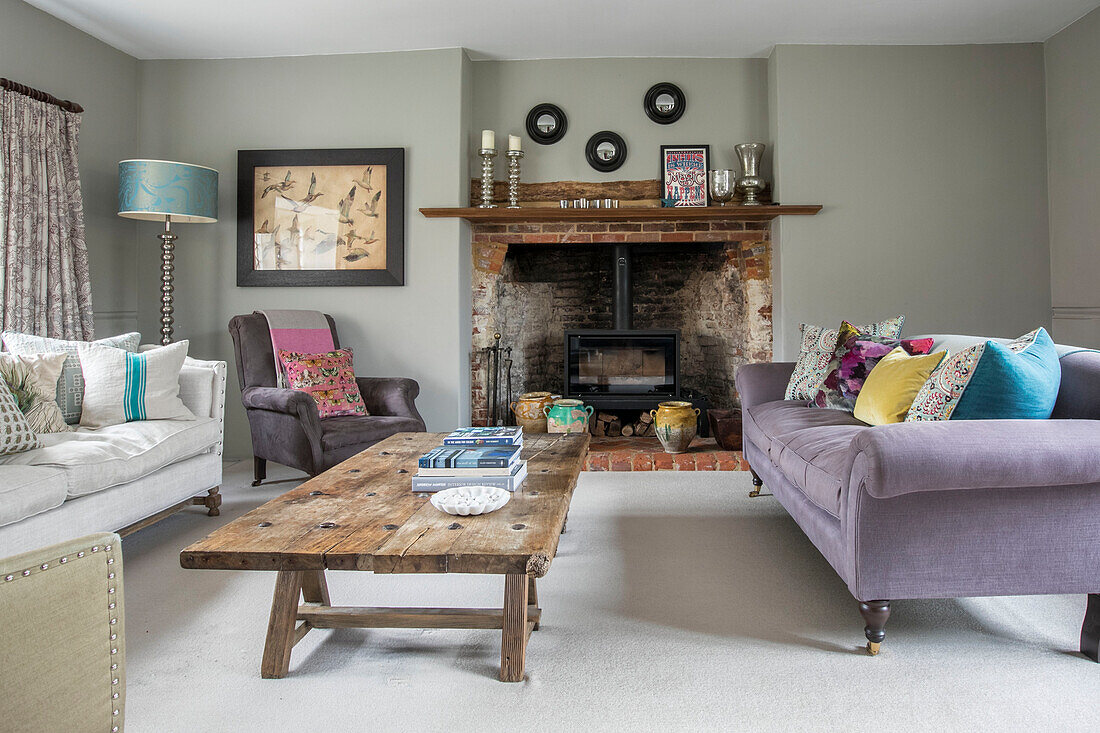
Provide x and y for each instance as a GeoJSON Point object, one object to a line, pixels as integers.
{"type": "Point", "coordinates": [532, 599]}
{"type": "Point", "coordinates": [280, 625]}
{"type": "Point", "coordinates": [513, 644]}
{"type": "Point", "coordinates": [315, 587]}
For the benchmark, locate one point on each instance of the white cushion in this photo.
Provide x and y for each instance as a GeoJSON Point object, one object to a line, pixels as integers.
{"type": "Point", "coordinates": [93, 460]}
{"type": "Point", "coordinates": [29, 490]}
{"type": "Point", "coordinates": [120, 386]}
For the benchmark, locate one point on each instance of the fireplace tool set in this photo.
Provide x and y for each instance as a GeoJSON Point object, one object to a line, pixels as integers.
{"type": "Point", "coordinates": [497, 412]}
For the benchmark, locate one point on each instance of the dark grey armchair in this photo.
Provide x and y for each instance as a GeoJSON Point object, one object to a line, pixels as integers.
{"type": "Point", "coordinates": [286, 427]}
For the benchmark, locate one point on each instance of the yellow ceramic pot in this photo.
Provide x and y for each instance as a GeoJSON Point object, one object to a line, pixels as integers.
{"type": "Point", "coordinates": [676, 423]}
{"type": "Point", "coordinates": [528, 411]}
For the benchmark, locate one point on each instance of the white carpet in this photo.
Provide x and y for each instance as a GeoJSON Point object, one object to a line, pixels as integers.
{"type": "Point", "coordinates": [675, 603]}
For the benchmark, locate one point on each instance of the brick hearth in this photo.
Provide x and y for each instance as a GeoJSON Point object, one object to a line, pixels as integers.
{"type": "Point", "coordinates": [709, 279]}
{"type": "Point", "coordinates": [646, 454]}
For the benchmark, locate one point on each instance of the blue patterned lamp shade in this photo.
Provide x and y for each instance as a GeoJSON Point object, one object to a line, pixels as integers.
{"type": "Point", "coordinates": [153, 189]}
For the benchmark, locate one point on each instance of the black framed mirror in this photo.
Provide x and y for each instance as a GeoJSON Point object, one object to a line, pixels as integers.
{"type": "Point", "coordinates": [546, 123]}
{"type": "Point", "coordinates": [606, 151]}
{"type": "Point", "coordinates": [664, 103]}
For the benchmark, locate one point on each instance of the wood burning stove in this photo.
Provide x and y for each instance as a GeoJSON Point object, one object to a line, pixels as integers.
{"type": "Point", "coordinates": [630, 369]}
{"type": "Point", "coordinates": [622, 367]}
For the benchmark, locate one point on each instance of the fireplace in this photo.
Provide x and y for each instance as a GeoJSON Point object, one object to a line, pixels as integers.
{"type": "Point", "coordinates": [703, 286]}
{"type": "Point", "coordinates": [629, 369]}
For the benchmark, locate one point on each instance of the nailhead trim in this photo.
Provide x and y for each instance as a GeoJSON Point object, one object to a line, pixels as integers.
{"type": "Point", "coordinates": [111, 617]}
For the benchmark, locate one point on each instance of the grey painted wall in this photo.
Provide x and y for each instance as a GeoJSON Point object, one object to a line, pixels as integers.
{"type": "Point", "coordinates": [1073, 159]}
{"type": "Point", "coordinates": [41, 51]}
{"type": "Point", "coordinates": [929, 162]}
{"type": "Point", "coordinates": [204, 111]}
{"type": "Point", "coordinates": [726, 105]}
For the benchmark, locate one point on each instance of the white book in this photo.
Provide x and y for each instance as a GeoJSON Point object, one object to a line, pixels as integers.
{"type": "Point", "coordinates": [430, 484]}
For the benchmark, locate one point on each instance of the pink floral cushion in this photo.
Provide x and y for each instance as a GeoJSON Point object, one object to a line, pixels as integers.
{"type": "Point", "coordinates": [855, 356]}
{"type": "Point", "coordinates": [816, 351]}
{"type": "Point", "coordinates": [328, 378]}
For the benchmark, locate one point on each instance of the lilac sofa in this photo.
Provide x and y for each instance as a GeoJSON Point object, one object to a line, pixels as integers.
{"type": "Point", "coordinates": [939, 509]}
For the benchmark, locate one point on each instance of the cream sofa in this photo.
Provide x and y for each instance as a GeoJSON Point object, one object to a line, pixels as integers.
{"type": "Point", "coordinates": [120, 477]}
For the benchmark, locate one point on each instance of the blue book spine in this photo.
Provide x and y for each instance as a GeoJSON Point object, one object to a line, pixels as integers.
{"type": "Point", "coordinates": [478, 457]}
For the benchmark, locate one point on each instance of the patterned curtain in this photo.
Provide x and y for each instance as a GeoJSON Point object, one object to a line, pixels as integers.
{"type": "Point", "coordinates": [44, 286]}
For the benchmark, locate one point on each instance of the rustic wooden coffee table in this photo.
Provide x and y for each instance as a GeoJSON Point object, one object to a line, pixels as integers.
{"type": "Point", "coordinates": [362, 515]}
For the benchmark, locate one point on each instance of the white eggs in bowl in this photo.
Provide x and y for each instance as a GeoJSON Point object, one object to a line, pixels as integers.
{"type": "Point", "coordinates": [468, 500]}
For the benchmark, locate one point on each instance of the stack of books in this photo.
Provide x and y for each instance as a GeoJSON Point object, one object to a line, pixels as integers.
{"type": "Point", "coordinates": [473, 457]}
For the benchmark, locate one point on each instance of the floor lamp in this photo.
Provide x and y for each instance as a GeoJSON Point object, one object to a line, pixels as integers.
{"type": "Point", "coordinates": [160, 190]}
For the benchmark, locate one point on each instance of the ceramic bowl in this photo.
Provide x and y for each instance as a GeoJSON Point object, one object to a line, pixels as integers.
{"type": "Point", "coordinates": [467, 500]}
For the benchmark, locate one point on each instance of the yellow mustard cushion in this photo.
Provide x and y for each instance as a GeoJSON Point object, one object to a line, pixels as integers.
{"type": "Point", "coordinates": [891, 387]}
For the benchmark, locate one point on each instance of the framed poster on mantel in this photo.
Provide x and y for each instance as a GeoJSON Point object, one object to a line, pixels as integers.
{"type": "Point", "coordinates": [684, 174]}
{"type": "Point", "coordinates": [315, 218]}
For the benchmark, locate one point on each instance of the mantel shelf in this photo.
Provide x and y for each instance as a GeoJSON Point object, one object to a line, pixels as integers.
{"type": "Point", "coordinates": [533, 214]}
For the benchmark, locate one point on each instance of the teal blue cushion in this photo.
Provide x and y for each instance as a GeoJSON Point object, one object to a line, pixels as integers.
{"type": "Point", "coordinates": [1013, 381]}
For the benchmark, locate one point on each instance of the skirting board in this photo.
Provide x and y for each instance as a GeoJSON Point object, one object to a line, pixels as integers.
{"type": "Point", "coordinates": [1076, 325]}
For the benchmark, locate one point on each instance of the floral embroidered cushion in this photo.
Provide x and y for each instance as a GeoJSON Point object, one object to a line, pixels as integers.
{"type": "Point", "coordinates": [1017, 380]}
{"type": "Point", "coordinates": [328, 378]}
{"type": "Point", "coordinates": [855, 356]}
{"type": "Point", "coordinates": [816, 351]}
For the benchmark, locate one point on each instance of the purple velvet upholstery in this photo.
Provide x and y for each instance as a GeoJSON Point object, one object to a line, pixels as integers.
{"type": "Point", "coordinates": [926, 510]}
{"type": "Point", "coordinates": [285, 425]}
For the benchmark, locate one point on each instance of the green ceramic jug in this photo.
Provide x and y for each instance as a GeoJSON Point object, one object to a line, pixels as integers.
{"type": "Point", "coordinates": [567, 416]}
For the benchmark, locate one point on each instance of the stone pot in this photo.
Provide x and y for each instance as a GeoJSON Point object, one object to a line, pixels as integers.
{"type": "Point", "coordinates": [528, 411]}
{"type": "Point", "coordinates": [567, 416]}
{"type": "Point", "coordinates": [676, 424]}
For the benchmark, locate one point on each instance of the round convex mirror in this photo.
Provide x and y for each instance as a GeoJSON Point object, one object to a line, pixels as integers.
{"type": "Point", "coordinates": [546, 123]}
{"type": "Point", "coordinates": [664, 103]}
{"type": "Point", "coordinates": [605, 151]}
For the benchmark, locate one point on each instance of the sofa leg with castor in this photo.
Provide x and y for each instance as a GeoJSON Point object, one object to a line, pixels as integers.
{"type": "Point", "coordinates": [212, 501]}
{"type": "Point", "coordinates": [757, 484]}
{"type": "Point", "coordinates": [259, 470]}
{"type": "Point", "coordinates": [1090, 629]}
{"type": "Point", "coordinates": [875, 614]}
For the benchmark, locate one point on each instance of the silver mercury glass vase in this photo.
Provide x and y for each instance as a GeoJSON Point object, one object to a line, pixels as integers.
{"type": "Point", "coordinates": [723, 185]}
{"type": "Point", "coordinates": [751, 184]}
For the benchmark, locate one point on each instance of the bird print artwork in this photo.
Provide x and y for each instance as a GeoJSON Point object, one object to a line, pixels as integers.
{"type": "Point", "coordinates": [284, 185]}
{"type": "Point", "coordinates": [373, 209]}
{"type": "Point", "coordinates": [365, 181]}
{"type": "Point", "coordinates": [345, 207]}
{"type": "Point", "coordinates": [317, 217]}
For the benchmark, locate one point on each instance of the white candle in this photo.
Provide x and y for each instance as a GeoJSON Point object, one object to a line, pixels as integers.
{"type": "Point", "coordinates": [513, 142]}
{"type": "Point", "coordinates": [488, 139]}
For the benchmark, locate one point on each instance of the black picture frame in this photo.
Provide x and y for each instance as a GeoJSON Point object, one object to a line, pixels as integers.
{"type": "Point", "coordinates": [695, 149]}
{"type": "Point", "coordinates": [653, 112]}
{"type": "Point", "coordinates": [598, 163]}
{"type": "Point", "coordinates": [394, 161]}
{"type": "Point", "coordinates": [536, 134]}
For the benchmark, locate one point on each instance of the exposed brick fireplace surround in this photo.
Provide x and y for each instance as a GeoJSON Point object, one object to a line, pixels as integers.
{"type": "Point", "coordinates": [708, 279]}
{"type": "Point", "coordinates": [540, 271]}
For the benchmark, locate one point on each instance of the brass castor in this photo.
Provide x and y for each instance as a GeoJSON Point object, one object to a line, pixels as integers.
{"type": "Point", "coordinates": [873, 647]}
{"type": "Point", "coordinates": [757, 483]}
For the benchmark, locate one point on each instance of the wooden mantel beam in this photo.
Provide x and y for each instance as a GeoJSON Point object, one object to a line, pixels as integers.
{"type": "Point", "coordinates": [501, 215]}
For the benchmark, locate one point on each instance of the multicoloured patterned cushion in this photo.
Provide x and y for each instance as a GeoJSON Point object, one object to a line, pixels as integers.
{"type": "Point", "coordinates": [16, 435]}
{"type": "Point", "coordinates": [70, 388]}
{"type": "Point", "coordinates": [328, 378]}
{"type": "Point", "coordinates": [855, 356]}
{"type": "Point", "coordinates": [816, 351]}
{"type": "Point", "coordinates": [1021, 381]}
{"type": "Point", "coordinates": [32, 380]}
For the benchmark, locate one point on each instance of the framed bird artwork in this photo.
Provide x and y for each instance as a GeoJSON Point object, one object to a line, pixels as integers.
{"type": "Point", "coordinates": [321, 217]}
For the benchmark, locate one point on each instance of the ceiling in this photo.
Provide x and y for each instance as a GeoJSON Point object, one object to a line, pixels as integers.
{"type": "Point", "coordinates": [523, 29]}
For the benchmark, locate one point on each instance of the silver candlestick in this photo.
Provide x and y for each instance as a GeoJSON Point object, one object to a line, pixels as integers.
{"type": "Point", "coordinates": [487, 155]}
{"type": "Point", "coordinates": [513, 178]}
